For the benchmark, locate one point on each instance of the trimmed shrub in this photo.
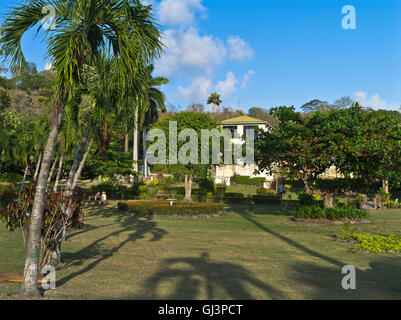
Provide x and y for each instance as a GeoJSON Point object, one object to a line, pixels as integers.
{"type": "Point", "coordinates": [305, 199]}
{"type": "Point", "coordinates": [265, 199]}
{"type": "Point", "coordinates": [207, 184]}
{"type": "Point", "coordinates": [234, 198]}
{"type": "Point", "coordinates": [220, 191]}
{"type": "Point", "coordinates": [336, 213]}
{"type": "Point", "coordinates": [248, 181]}
{"type": "Point", "coordinates": [243, 180]}
{"type": "Point", "coordinates": [258, 181]}
{"type": "Point", "coordinates": [151, 208]}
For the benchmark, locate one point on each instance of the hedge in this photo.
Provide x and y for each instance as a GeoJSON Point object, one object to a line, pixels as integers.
{"type": "Point", "coordinates": [248, 181]}
{"type": "Point", "coordinates": [154, 208]}
{"type": "Point", "coordinates": [336, 213]}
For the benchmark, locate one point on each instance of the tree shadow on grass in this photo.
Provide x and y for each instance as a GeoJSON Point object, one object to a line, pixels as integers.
{"type": "Point", "coordinates": [87, 228]}
{"type": "Point", "coordinates": [259, 209]}
{"type": "Point", "coordinates": [191, 275]}
{"type": "Point", "coordinates": [380, 281]}
{"type": "Point", "coordinates": [291, 242]}
{"type": "Point", "coordinates": [139, 228]}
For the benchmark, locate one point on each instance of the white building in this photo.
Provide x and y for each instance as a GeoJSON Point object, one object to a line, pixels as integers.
{"type": "Point", "coordinates": [240, 125]}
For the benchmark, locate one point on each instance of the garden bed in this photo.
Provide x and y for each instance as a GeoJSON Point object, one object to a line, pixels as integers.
{"type": "Point", "coordinates": [178, 209]}
{"type": "Point", "coordinates": [327, 221]}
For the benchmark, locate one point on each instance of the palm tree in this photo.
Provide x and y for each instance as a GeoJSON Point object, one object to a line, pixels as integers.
{"type": "Point", "coordinates": [154, 103]}
{"type": "Point", "coordinates": [123, 28]}
{"type": "Point", "coordinates": [215, 100]}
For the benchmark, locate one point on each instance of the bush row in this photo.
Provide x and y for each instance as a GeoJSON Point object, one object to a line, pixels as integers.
{"type": "Point", "coordinates": [151, 208]}
{"type": "Point", "coordinates": [336, 213]}
{"type": "Point", "coordinates": [248, 181]}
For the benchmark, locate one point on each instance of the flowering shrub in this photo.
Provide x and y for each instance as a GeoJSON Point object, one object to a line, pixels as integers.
{"type": "Point", "coordinates": [392, 205]}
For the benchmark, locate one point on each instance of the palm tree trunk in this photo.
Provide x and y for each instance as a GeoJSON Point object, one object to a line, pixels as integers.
{"type": "Point", "coordinates": [188, 188]}
{"type": "Point", "coordinates": [126, 145]}
{"type": "Point", "coordinates": [79, 151]}
{"type": "Point", "coordinates": [145, 154]}
{"type": "Point", "coordinates": [23, 183]}
{"type": "Point", "coordinates": [60, 167]}
{"type": "Point", "coordinates": [135, 144]}
{"type": "Point", "coordinates": [37, 166]}
{"type": "Point", "coordinates": [82, 164]}
{"type": "Point", "coordinates": [30, 281]}
{"type": "Point", "coordinates": [52, 170]}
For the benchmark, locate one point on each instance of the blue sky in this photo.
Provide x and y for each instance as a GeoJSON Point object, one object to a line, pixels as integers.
{"type": "Point", "coordinates": [266, 53]}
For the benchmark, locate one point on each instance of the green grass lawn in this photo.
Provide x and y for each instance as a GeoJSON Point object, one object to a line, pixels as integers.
{"type": "Point", "coordinates": [243, 255]}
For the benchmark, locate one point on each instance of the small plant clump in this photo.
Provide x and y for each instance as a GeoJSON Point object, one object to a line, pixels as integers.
{"type": "Point", "coordinates": [373, 242]}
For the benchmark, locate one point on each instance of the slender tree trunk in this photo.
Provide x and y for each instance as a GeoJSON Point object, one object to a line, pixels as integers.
{"type": "Point", "coordinates": [79, 151]}
{"type": "Point", "coordinates": [82, 164]}
{"type": "Point", "coordinates": [52, 170]}
{"type": "Point", "coordinates": [126, 145]}
{"type": "Point", "coordinates": [60, 167]}
{"type": "Point", "coordinates": [386, 185]}
{"type": "Point", "coordinates": [23, 182]}
{"type": "Point", "coordinates": [188, 188]}
{"type": "Point", "coordinates": [145, 154]}
{"type": "Point", "coordinates": [37, 166]}
{"type": "Point", "coordinates": [135, 144]}
{"type": "Point", "coordinates": [30, 281]}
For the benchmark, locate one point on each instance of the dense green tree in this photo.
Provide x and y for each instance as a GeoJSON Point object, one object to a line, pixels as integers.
{"type": "Point", "coordinates": [299, 146]}
{"type": "Point", "coordinates": [186, 120]}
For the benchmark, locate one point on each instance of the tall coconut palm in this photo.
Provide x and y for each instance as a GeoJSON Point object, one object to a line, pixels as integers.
{"type": "Point", "coordinates": [123, 28]}
{"type": "Point", "coordinates": [153, 104]}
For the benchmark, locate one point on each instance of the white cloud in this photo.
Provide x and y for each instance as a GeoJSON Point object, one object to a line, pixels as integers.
{"type": "Point", "coordinates": [239, 49]}
{"type": "Point", "coordinates": [193, 56]}
{"type": "Point", "coordinates": [48, 66]}
{"type": "Point", "coordinates": [374, 101]}
{"type": "Point", "coordinates": [197, 92]}
{"type": "Point", "coordinates": [228, 86]}
{"type": "Point", "coordinates": [191, 53]}
{"type": "Point", "coordinates": [179, 12]}
{"type": "Point", "coordinates": [247, 77]}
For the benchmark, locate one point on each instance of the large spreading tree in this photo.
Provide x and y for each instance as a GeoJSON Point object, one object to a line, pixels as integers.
{"type": "Point", "coordinates": [193, 149]}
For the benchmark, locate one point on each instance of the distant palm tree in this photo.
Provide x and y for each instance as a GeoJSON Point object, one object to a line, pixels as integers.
{"type": "Point", "coordinates": [215, 100]}
{"type": "Point", "coordinates": [123, 28]}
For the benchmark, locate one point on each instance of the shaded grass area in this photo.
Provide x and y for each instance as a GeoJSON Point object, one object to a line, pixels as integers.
{"type": "Point", "coordinates": [259, 254]}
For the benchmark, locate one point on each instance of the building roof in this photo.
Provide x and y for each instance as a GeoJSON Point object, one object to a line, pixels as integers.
{"type": "Point", "coordinates": [244, 120]}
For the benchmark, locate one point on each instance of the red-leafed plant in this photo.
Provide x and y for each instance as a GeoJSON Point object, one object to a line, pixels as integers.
{"type": "Point", "coordinates": [55, 221]}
